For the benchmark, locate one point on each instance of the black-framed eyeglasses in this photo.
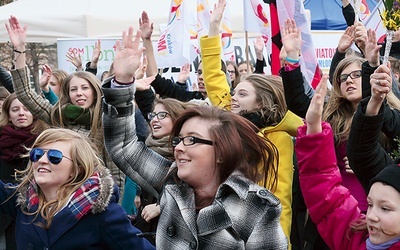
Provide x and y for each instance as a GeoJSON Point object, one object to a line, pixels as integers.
{"type": "Point", "coordinates": [353, 75]}
{"type": "Point", "coordinates": [160, 115]}
{"type": "Point", "coordinates": [199, 72]}
{"type": "Point", "coordinates": [231, 71]}
{"type": "Point", "coordinates": [189, 140]}
{"type": "Point", "coordinates": [55, 156]}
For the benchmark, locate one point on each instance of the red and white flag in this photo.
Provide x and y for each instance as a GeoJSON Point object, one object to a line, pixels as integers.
{"type": "Point", "coordinates": [361, 9]}
{"type": "Point", "coordinates": [257, 19]}
{"type": "Point", "coordinates": [308, 60]}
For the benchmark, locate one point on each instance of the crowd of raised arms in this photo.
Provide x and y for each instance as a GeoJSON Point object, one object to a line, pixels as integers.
{"type": "Point", "coordinates": [245, 161]}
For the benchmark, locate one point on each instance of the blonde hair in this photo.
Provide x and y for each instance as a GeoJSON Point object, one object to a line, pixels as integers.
{"type": "Point", "coordinates": [38, 125]}
{"type": "Point", "coordinates": [339, 111]}
{"type": "Point", "coordinates": [60, 75]}
{"type": "Point", "coordinates": [95, 110]}
{"type": "Point", "coordinates": [270, 94]}
{"type": "Point", "coordinates": [84, 163]}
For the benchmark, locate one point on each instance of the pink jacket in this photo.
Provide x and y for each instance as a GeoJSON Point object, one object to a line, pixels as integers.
{"type": "Point", "coordinates": [330, 205]}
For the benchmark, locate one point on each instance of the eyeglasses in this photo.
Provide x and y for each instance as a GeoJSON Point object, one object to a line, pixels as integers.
{"type": "Point", "coordinates": [189, 140]}
{"type": "Point", "coordinates": [231, 71]}
{"type": "Point", "coordinates": [199, 72]}
{"type": "Point", "coordinates": [55, 156]}
{"type": "Point", "coordinates": [353, 75]}
{"type": "Point", "coordinates": [160, 115]}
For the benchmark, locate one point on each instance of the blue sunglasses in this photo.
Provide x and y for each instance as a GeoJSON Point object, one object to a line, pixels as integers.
{"type": "Point", "coordinates": [55, 156]}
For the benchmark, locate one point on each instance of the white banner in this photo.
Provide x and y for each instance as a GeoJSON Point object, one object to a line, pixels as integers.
{"type": "Point", "coordinates": [325, 43]}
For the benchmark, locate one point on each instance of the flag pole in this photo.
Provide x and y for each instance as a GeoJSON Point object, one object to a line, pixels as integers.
{"type": "Point", "coordinates": [246, 33]}
{"type": "Point", "coordinates": [356, 10]}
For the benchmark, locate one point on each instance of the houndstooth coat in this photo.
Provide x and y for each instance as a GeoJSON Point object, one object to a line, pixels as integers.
{"type": "Point", "coordinates": [242, 216]}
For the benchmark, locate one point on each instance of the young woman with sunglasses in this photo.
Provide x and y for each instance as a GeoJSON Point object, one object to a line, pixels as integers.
{"type": "Point", "coordinates": [66, 199]}
{"type": "Point", "coordinates": [18, 129]}
{"type": "Point", "coordinates": [79, 104]}
{"type": "Point", "coordinates": [208, 195]}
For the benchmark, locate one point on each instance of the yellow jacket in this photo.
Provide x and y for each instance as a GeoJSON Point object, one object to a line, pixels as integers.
{"type": "Point", "coordinates": [218, 92]}
{"type": "Point", "coordinates": [281, 136]}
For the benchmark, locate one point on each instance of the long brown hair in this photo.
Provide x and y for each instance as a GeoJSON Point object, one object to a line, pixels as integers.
{"type": "Point", "coordinates": [270, 95]}
{"type": "Point", "coordinates": [95, 109]}
{"type": "Point", "coordinates": [237, 144]}
{"type": "Point", "coordinates": [338, 111]}
{"type": "Point", "coordinates": [236, 80]}
{"type": "Point", "coordinates": [38, 125]}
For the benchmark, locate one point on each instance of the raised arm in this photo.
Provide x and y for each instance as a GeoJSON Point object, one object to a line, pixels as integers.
{"type": "Point", "coordinates": [364, 151]}
{"type": "Point", "coordinates": [348, 12]}
{"type": "Point", "coordinates": [44, 85]}
{"type": "Point", "coordinates": [92, 65]}
{"type": "Point", "coordinates": [147, 30]}
{"type": "Point", "coordinates": [37, 105]}
{"type": "Point", "coordinates": [345, 42]}
{"type": "Point", "coordinates": [330, 205]}
{"type": "Point", "coordinates": [295, 86]}
{"type": "Point", "coordinates": [147, 168]}
{"type": "Point", "coordinates": [258, 48]}
{"type": "Point", "coordinates": [217, 87]}
{"type": "Point", "coordinates": [75, 59]}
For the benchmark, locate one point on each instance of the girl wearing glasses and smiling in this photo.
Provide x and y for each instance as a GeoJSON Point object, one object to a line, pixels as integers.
{"type": "Point", "coordinates": [165, 113]}
{"type": "Point", "coordinates": [66, 199]}
{"type": "Point", "coordinates": [208, 196]}
{"type": "Point", "coordinates": [79, 104]}
{"type": "Point", "coordinates": [260, 99]}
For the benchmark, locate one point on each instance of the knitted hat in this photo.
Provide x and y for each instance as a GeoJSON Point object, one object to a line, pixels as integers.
{"type": "Point", "coordinates": [389, 175]}
{"type": "Point", "coordinates": [4, 92]}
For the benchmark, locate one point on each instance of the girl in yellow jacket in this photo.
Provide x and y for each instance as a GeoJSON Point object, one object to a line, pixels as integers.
{"type": "Point", "coordinates": [259, 98]}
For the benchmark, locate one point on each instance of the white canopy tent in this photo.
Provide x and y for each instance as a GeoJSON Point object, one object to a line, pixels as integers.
{"type": "Point", "coordinates": [49, 20]}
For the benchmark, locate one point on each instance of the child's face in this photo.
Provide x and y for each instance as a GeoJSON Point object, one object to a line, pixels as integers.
{"type": "Point", "coordinates": [383, 214]}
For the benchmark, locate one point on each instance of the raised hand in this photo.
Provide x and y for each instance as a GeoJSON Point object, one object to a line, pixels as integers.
{"type": "Point", "coordinates": [144, 83]}
{"type": "Point", "coordinates": [372, 49]}
{"type": "Point", "coordinates": [381, 82]}
{"type": "Point", "coordinates": [314, 112]}
{"type": "Point", "coordinates": [216, 17]}
{"type": "Point", "coordinates": [258, 47]}
{"type": "Point", "coordinates": [127, 58]}
{"type": "Point", "coordinates": [96, 51]}
{"type": "Point", "coordinates": [44, 79]}
{"type": "Point", "coordinates": [16, 33]}
{"type": "Point", "coordinates": [360, 36]}
{"type": "Point", "coordinates": [291, 38]}
{"type": "Point", "coordinates": [185, 73]}
{"type": "Point", "coordinates": [346, 40]}
{"type": "Point", "coordinates": [75, 59]}
{"type": "Point", "coordinates": [139, 74]}
{"type": "Point", "coordinates": [145, 26]}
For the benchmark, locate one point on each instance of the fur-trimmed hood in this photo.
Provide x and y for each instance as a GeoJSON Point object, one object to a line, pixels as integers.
{"type": "Point", "coordinates": [98, 200]}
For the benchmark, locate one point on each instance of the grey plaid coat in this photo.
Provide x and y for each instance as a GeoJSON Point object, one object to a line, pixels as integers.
{"type": "Point", "coordinates": [242, 216]}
